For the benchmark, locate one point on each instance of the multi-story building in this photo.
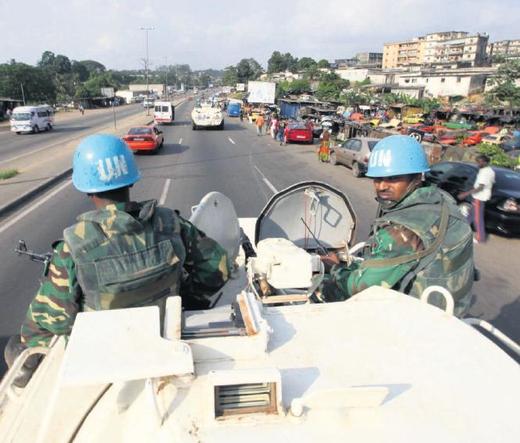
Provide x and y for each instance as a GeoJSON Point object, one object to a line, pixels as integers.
{"type": "Point", "coordinates": [505, 48]}
{"type": "Point", "coordinates": [372, 59]}
{"type": "Point", "coordinates": [440, 48]}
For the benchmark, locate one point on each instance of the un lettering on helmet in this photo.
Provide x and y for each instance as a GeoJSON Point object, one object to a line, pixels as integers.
{"type": "Point", "coordinates": [381, 158]}
{"type": "Point", "coordinates": [112, 167]}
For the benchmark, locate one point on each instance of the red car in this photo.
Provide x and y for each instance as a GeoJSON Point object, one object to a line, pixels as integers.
{"type": "Point", "coordinates": [474, 138]}
{"type": "Point", "coordinates": [144, 138]}
{"type": "Point", "coordinates": [299, 132]}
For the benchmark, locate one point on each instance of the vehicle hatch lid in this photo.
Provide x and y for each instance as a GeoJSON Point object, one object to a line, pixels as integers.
{"type": "Point", "coordinates": [327, 212]}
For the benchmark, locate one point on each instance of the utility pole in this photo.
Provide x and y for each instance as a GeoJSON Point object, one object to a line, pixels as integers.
{"type": "Point", "coordinates": [147, 29]}
{"type": "Point", "coordinates": [23, 93]}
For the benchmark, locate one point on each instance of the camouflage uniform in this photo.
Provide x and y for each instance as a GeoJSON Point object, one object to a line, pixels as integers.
{"type": "Point", "coordinates": [61, 296]}
{"type": "Point", "coordinates": [421, 241]}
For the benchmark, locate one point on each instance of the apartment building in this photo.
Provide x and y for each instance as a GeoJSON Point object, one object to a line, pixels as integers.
{"type": "Point", "coordinates": [504, 48]}
{"type": "Point", "coordinates": [440, 48]}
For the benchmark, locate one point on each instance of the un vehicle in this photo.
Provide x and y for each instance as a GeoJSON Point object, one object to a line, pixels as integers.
{"type": "Point", "coordinates": [264, 364]}
{"type": "Point", "coordinates": [206, 115]}
{"type": "Point", "coordinates": [32, 119]}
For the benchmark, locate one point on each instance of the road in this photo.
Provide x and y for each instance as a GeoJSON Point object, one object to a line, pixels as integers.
{"type": "Point", "coordinates": [68, 127]}
{"type": "Point", "coordinates": [248, 169]}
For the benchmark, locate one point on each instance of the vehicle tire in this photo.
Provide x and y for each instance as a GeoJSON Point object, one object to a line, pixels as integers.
{"type": "Point", "coordinates": [417, 136]}
{"type": "Point", "coordinates": [162, 143]}
{"type": "Point", "coordinates": [49, 127]}
{"type": "Point", "coordinates": [194, 127]}
{"type": "Point", "coordinates": [35, 129]}
{"type": "Point", "coordinates": [333, 159]}
{"type": "Point", "coordinates": [18, 132]}
{"type": "Point", "coordinates": [465, 209]}
{"type": "Point", "coordinates": [221, 126]}
{"type": "Point", "coordinates": [356, 171]}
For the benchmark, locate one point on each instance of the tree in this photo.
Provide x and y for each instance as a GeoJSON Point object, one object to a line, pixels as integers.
{"type": "Point", "coordinates": [81, 70]}
{"type": "Point", "coordinates": [294, 87]}
{"type": "Point", "coordinates": [37, 83]}
{"type": "Point", "coordinates": [276, 63]}
{"type": "Point", "coordinates": [306, 64]}
{"type": "Point", "coordinates": [62, 64]}
{"type": "Point", "coordinates": [323, 63]}
{"type": "Point", "coordinates": [248, 69]}
{"type": "Point", "coordinates": [47, 60]}
{"type": "Point", "coordinates": [331, 85]}
{"type": "Point", "coordinates": [93, 67]}
{"type": "Point", "coordinates": [505, 88]}
{"type": "Point", "coordinates": [230, 77]}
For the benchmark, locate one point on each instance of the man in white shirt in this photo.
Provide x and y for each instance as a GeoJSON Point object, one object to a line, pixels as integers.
{"type": "Point", "coordinates": [481, 193]}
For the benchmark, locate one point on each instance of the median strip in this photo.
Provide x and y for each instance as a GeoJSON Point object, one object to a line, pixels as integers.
{"type": "Point", "coordinates": [8, 173]}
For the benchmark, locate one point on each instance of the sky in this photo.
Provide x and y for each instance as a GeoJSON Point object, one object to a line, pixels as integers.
{"type": "Point", "coordinates": [218, 33]}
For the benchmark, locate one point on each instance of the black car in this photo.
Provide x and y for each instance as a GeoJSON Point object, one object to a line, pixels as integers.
{"type": "Point", "coordinates": [502, 213]}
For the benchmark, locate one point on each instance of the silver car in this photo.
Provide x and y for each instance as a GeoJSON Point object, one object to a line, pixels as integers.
{"type": "Point", "coordinates": [354, 153]}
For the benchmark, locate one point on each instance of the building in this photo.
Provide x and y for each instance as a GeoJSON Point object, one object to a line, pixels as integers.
{"type": "Point", "coordinates": [372, 59]}
{"type": "Point", "coordinates": [505, 48]}
{"type": "Point", "coordinates": [159, 88]}
{"type": "Point", "coordinates": [456, 48]}
{"type": "Point", "coordinates": [446, 82]}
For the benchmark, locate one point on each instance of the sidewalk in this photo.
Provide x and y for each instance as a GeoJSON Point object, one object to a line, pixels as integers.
{"type": "Point", "coordinates": [40, 170]}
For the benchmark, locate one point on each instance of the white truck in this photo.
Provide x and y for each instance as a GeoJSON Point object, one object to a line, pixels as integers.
{"type": "Point", "coordinates": [32, 119]}
{"type": "Point", "coordinates": [207, 115]}
{"type": "Point", "coordinates": [163, 112]}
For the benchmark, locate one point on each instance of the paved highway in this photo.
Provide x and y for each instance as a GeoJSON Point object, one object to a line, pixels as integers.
{"type": "Point", "coordinates": [246, 168]}
{"type": "Point", "coordinates": [67, 127]}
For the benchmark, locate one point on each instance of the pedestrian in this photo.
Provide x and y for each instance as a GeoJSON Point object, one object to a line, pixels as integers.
{"type": "Point", "coordinates": [259, 124]}
{"type": "Point", "coordinates": [81, 109]}
{"type": "Point", "coordinates": [122, 254]}
{"type": "Point", "coordinates": [419, 239]}
{"type": "Point", "coordinates": [280, 132]}
{"type": "Point", "coordinates": [241, 115]}
{"type": "Point", "coordinates": [285, 133]}
{"type": "Point", "coordinates": [275, 124]}
{"type": "Point", "coordinates": [324, 149]}
{"type": "Point", "coordinates": [268, 123]}
{"type": "Point", "coordinates": [8, 113]}
{"type": "Point", "coordinates": [481, 193]}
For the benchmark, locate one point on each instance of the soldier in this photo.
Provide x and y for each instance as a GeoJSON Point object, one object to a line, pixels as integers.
{"type": "Point", "coordinates": [419, 239]}
{"type": "Point", "coordinates": [123, 254]}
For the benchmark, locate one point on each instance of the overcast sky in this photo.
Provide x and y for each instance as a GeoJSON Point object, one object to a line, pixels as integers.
{"type": "Point", "coordinates": [218, 33]}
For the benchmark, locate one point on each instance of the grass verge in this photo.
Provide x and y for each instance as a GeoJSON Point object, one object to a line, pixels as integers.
{"type": "Point", "coordinates": [8, 173]}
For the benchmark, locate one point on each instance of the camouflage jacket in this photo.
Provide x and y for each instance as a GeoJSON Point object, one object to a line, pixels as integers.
{"type": "Point", "coordinates": [423, 240]}
{"type": "Point", "coordinates": [60, 297]}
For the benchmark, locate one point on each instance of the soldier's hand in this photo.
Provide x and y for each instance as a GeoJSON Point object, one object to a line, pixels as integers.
{"type": "Point", "coordinates": [330, 259]}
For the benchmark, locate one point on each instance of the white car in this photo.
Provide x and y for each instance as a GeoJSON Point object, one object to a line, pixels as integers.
{"type": "Point", "coordinates": [206, 115]}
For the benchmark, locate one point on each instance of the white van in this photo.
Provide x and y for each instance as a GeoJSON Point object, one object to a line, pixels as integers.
{"type": "Point", "coordinates": [164, 112]}
{"type": "Point", "coordinates": [32, 119]}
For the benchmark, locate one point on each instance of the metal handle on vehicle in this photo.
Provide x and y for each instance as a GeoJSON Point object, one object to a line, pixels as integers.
{"type": "Point", "coordinates": [448, 298]}
{"type": "Point", "coordinates": [497, 333]}
{"type": "Point", "coordinates": [6, 386]}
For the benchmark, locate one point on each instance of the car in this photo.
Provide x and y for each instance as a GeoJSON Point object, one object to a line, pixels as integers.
{"type": "Point", "coordinates": [511, 143]}
{"type": "Point", "coordinates": [473, 138]}
{"type": "Point", "coordinates": [495, 139]}
{"type": "Point", "coordinates": [354, 153]}
{"type": "Point", "coordinates": [502, 211]}
{"type": "Point", "coordinates": [144, 138]}
{"type": "Point", "coordinates": [299, 132]}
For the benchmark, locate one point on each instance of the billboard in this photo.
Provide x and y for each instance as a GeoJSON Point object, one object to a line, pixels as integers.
{"type": "Point", "coordinates": [261, 92]}
{"type": "Point", "coordinates": [107, 92]}
{"type": "Point", "coordinates": [241, 87]}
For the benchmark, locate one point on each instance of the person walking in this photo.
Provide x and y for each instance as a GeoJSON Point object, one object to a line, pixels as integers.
{"type": "Point", "coordinates": [481, 193]}
{"type": "Point", "coordinates": [324, 149]}
{"type": "Point", "coordinates": [419, 239]}
{"type": "Point", "coordinates": [260, 124]}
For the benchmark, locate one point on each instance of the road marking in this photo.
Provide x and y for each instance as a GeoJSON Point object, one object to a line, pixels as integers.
{"type": "Point", "coordinates": [231, 140]}
{"type": "Point", "coordinates": [165, 190]}
{"type": "Point", "coordinates": [266, 181]}
{"type": "Point", "coordinates": [33, 207]}
{"type": "Point", "coordinates": [180, 141]}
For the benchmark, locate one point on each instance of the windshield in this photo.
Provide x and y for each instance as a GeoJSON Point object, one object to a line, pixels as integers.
{"type": "Point", "coordinates": [371, 145]}
{"type": "Point", "coordinates": [139, 131]}
{"type": "Point", "coordinates": [22, 116]}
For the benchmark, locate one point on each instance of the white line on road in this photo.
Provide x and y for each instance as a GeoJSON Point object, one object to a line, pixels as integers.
{"type": "Point", "coordinates": [231, 140]}
{"type": "Point", "coordinates": [180, 141]}
{"type": "Point", "coordinates": [165, 190]}
{"type": "Point", "coordinates": [35, 206]}
{"type": "Point", "coordinates": [266, 181]}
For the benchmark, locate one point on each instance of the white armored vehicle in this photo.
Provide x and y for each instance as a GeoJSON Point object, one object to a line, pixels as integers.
{"type": "Point", "coordinates": [207, 115]}
{"type": "Point", "coordinates": [265, 364]}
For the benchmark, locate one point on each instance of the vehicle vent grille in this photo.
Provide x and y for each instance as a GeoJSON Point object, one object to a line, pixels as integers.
{"type": "Point", "coordinates": [249, 398]}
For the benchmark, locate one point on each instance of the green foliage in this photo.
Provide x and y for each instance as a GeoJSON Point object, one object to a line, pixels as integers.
{"type": "Point", "coordinates": [38, 84]}
{"type": "Point", "coordinates": [230, 77]}
{"type": "Point", "coordinates": [497, 155]}
{"type": "Point", "coordinates": [8, 173]}
{"type": "Point", "coordinates": [248, 69]}
{"type": "Point", "coordinates": [505, 89]}
{"type": "Point", "coordinates": [306, 64]}
{"type": "Point", "coordinates": [279, 62]}
{"type": "Point", "coordinates": [92, 87]}
{"type": "Point", "coordinates": [294, 87]}
{"type": "Point", "coordinates": [323, 63]}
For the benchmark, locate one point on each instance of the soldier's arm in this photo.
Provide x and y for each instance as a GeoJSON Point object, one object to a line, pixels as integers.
{"type": "Point", "coordinates": [390, 241]}
{"type": "Point", "coordinates": [206, 263]}
{"type": "Point", "coordinates": [53, 309]}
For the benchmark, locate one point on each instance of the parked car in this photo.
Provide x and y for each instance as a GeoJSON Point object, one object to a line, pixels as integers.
{"type": "Point", "coordinates": [502, 212]}
{"type": "Point", "coordinates": [144, 138]}
{"type": "Point", "coordinates": [299, 132]}
{"type": "Point", "coordinates": [473, 138]}
{"type": "Point", "coordinates": [511, 143]}
{"type": "Point", "coordinates": [354, 153]}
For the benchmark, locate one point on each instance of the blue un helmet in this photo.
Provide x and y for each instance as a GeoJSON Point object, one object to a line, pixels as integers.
{"type": "Point", "coordinates": [103, 162]}
{"type": "Point", "coordinates": [397, 155]}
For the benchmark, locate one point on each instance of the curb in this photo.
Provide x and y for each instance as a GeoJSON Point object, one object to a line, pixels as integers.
{"type": "Point", "coordinates": [32, 193]}
{"type": "Point", "coordinates": [37, 190]}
